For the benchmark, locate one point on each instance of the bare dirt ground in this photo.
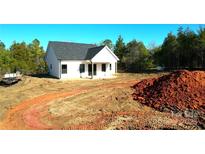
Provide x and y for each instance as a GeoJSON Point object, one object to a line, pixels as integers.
{"type": "Point", "coordinates": [46, 103]}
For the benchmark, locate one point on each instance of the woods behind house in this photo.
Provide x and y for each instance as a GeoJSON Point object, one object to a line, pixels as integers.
{"type": "Point", "coordinates": [26, 58]}
{"type": "Point", "coordinates": [186, 49]}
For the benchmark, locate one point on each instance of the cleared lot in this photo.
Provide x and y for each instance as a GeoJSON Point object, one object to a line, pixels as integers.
{"type": "Point", "coordinates": [46, 103]}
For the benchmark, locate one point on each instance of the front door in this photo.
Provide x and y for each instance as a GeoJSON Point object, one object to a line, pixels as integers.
{"type": "Point", "coordinates": [90, 69]}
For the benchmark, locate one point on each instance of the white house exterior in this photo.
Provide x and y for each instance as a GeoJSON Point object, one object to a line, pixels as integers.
{"type": "Point", "coordinates": [67, 60]}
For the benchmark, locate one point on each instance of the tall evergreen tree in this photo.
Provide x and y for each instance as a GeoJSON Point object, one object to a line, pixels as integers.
{"type": "Point", "coordinates": [37, 56]}
{"type": "Point", "coordinates": [7, 63]}
{"type": "Point", "coordinates": [119, 50]}
{"type": "Point", "coordinates": [169, 52]}
{"type": "Point", "coordinates": [201, 35]}
{"type": "Point", "coordinates": [108, 43]}
{"type": "Point", "coordinates": [188, 43]}
{"type": "Point", "coordinates": [137, 57]}
{"type": "Point", "coordinates": [2, 46]}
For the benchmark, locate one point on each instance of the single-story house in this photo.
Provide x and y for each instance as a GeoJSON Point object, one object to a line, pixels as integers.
{"type": "Point", "coordinates": [67, 60]}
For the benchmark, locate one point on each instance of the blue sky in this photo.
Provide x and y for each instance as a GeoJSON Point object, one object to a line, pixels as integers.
{"type": "Point", "coordinates": [85, 33]}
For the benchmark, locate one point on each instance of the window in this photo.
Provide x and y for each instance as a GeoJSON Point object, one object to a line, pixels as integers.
{"type": "Point", "coordinates": [51, 66]}
{"type": "Point", "coordinates": [110, 67]}
{"type": "Point", "coordinates": [103, 68]}
{"type": "Point", "coordinates": [82, 68]}
{"type": "Point", "coordinates": [89, 69]}
{"type": "Point", "coordinates": [64, 69]}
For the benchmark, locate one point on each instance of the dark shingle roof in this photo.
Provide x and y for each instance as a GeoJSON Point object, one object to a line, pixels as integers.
{"type": "Point", "coordinates": [74, 51]}
{"type": "Point", "coordinates": [93, 51]}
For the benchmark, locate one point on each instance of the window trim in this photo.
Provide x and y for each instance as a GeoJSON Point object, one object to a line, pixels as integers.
{"type": "Point", "coordinates": [103, 69]}
{"type": "Point", "coordinates": [82, 68]}
{"type": "Point", "coordinates": [63, 69]}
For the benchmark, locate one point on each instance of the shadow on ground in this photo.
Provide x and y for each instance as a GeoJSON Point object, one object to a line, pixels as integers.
{"type": "Point", "coordinates": [43, 76]}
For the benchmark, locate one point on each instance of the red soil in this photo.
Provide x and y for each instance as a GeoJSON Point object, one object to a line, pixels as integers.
{"type": "Point", "coordinates": [23, 116]}
{"type": "Point", "coordinates": [176, 91]}
{"type": "Point", "coordinates": [28, 114]}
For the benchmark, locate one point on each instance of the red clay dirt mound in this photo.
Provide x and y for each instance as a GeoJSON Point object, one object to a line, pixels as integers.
{"type": "Point", "coordinates": [180, 92]}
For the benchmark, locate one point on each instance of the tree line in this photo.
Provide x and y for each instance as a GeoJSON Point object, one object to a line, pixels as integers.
{"type": "Point", "coordinates": [134, 56]}
{"type": "Point", "coordinates": [185, 50]}
{"type": "Point", "coordinates": [26, 58]}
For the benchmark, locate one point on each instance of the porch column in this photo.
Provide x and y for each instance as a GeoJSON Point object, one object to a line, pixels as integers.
{"type": "Point", "coordinates": [92, 70]}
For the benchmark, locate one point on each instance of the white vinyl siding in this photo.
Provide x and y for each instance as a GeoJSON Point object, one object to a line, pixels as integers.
{"type": "Point", "coordinates": [53, 63]}
{"type": "Point", "coordinates": [79, 68]}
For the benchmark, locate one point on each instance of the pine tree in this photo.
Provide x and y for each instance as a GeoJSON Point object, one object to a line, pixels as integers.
{"type": "Point", "coordinates": [108, 43]}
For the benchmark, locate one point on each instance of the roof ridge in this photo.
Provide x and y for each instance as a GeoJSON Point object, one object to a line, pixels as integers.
{"type": "Point", "coordinates": [74, 51]}
{"type": "Point", "coordinates": [71, 43]}
{"type": "Point", "coordinates": [98, 46]}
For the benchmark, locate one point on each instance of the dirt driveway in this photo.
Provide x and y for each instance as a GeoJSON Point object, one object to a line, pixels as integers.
{"type": "Point", "coordinates": [43, 103]}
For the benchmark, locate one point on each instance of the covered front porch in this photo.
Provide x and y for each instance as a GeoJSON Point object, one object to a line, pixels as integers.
{"type": "Point", "coordinates": [98, 70]}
